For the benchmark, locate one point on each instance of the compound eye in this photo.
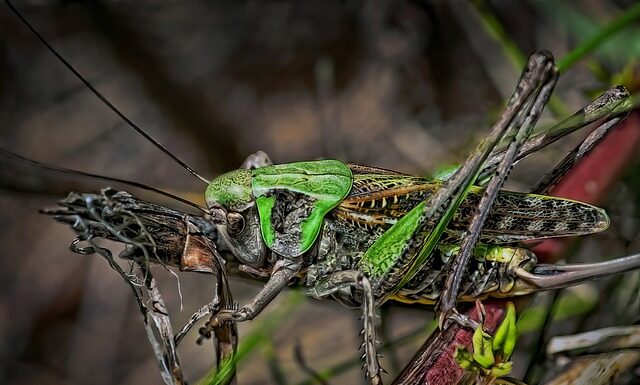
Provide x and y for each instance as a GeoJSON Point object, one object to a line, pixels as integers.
{"type": "Point", "coordinates": [235, 223]}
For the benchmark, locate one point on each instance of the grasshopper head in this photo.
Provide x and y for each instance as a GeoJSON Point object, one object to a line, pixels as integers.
{"type": "Point", "coordinates": [232, 204]}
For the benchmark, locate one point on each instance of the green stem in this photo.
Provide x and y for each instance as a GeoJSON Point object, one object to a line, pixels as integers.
{"type": "Point", "coordinates": [511, 50]}
{"type": "Point", "coordinates": [495, 29]}
{"type": "Point", "coordinates": [613, 27]}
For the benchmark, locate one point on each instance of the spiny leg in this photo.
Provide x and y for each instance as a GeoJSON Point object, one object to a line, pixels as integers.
{"type": "Point", "coordinates": [527, 117]}
{"type": "Point", "coordinates": [612, 104]}
{"type": "Point", "coordinates": [345, 280]}
{"type": "Point", "coordinates": [391, 267]}
{"type": "Point", "coordinates": [537, 69]}
{"type": "Point", "coordinates": [549, 181]}
{"type": "Point", "coordinates": [398, 255]}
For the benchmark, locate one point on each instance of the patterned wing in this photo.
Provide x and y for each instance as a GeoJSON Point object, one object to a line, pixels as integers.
{"type": "Point", "coordinates": [379, 197]}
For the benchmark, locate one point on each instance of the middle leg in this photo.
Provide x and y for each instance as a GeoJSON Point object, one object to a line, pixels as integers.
{"type": "Point", "coordinates": [348, 279]}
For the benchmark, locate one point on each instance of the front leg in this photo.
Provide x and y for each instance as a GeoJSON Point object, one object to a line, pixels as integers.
{"type": "Point", "coordinates": [337, 281]}
{"type": "Point", "coordinates": [282, 273]}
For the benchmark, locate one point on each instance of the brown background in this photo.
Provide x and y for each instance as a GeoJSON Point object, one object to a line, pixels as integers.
{"type": "Point", "coordinates": [405, 85]}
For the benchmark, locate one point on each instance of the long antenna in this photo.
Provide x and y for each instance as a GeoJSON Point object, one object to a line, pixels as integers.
{"type": "Point", "coordinates": [10, 154]}
{"type": "Point", "coordinates": [102, 98]}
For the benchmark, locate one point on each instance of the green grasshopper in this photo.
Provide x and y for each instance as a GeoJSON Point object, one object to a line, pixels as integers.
{"type": "Point", "coordinates": [364, 235]}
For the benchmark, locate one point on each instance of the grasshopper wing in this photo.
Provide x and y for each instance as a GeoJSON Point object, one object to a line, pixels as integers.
{"type": "Point", "coordinates": [380, 197]}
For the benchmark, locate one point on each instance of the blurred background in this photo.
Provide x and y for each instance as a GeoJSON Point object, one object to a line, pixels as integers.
{"type": "Point", "coordinates": [404, 85]}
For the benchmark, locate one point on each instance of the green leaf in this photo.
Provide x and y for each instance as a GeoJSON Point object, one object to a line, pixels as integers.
{"type": "Point", "coordinates": [482, 352]}
{"type": "Point", "coordinates": [504, 341]}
